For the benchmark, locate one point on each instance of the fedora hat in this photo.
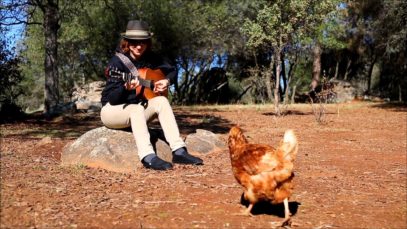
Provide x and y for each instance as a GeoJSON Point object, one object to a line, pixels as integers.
{"type": "Point", "coordinates": [137, 30]}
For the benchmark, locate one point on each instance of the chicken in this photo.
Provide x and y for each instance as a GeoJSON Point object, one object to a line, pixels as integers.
{"type": "Point", "coordinates": [264, 172]}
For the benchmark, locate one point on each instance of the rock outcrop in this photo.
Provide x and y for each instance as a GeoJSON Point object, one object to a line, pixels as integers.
{"type": "Point", "coordinates": [87, 97]}
{"type": "Point", "coordinates": [343, 90]}
{"type": "Point", "coordinates": [115, 150]}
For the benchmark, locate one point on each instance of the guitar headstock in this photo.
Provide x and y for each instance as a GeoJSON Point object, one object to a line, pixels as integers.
{"type": "Point", "coordinates": [116, 73]}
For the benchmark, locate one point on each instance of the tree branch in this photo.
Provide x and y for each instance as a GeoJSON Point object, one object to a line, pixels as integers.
{"type": "Point", "coordinates": [17, 13]}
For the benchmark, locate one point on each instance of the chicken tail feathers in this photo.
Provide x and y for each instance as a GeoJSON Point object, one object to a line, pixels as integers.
{"type": "Point", "coordinates": [289, 145]}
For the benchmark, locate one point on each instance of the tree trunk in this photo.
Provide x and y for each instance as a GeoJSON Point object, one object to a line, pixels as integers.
{"type": "Point", "coordinates": [269, 80]}
{"type": "Point", "coordinates": [400, 94]}
{"type": "Point", "coordinates": [277, 83]}
{"type": "Point", "coordinates": [348, 64]}
{"type": "Point", "coordinates": [336, 70]}
{"type": "Point", "coordinates": [293, 94]}
{"type": "Point", "coordinates": [269, 85]}
{"type": "Point", "coordinates": [284, 78]}
{"type": "Point", "coordinates": [370, 72]}
{"type": "Point", "coordinates": [316, 65]}
{"type": "Point", "coordinates": [290, 78]}
{"type": "Point", "coordinates": [51, 27]}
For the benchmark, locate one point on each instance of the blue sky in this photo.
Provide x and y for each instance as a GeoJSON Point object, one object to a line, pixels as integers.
{"type": "Point", "coordinates": [13, 33]}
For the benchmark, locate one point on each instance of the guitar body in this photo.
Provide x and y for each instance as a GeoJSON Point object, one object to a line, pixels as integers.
{"type": "Point", "coordinates": [153, 75]}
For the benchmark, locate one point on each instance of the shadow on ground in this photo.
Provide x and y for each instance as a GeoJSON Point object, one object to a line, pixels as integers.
{"type": "Point", "coordinates": [397, 107]}
{"type": "Point", "coordinates": [74, 125]}
{"type": "Point", "coordinates": [188, 123]}
{"type": "Point", "coordinates": [265, 207]}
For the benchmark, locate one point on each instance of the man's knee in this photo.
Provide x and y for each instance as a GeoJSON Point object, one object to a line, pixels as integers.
{"type": "Point", "coordinates": [162, 100]}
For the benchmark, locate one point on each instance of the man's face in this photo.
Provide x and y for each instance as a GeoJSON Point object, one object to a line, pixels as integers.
{"type": "Point", "coordinates": [137, 48]}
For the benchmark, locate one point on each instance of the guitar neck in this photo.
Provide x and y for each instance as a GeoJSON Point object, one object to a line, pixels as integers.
{"type": "Point", "coordinates": [127, 77]}
{"type": "Point", "coordinates": [146, 83]}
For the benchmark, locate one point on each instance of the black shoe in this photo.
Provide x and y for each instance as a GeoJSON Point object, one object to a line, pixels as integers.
{"type": "Point", "coordinates": [181, 156]}
{"type": "Point", "coordinates": [157, 163]}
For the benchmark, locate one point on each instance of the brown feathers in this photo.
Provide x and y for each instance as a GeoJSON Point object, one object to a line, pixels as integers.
{"type": "Point", "coordinates": [265, 172]}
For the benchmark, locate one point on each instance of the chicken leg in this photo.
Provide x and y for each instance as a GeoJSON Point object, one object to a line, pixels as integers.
{"type": "Point", "coordinates": [287, 214]}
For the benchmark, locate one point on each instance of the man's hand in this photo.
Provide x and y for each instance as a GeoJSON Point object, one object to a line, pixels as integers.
{"type": "Point", "coordinates": [161, 85]}
{"type": "Point", "coordinates": [132, 84]}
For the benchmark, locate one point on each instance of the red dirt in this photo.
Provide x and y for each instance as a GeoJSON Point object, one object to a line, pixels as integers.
{"type": "Point", "coordinates": [350, 173]}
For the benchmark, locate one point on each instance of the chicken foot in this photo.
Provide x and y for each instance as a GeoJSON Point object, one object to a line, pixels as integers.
{"type": "Point", "coordinates": [246, 212]}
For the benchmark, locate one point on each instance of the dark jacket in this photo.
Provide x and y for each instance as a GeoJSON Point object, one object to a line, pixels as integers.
{"type": "Point", "coordinates": [115, 93]}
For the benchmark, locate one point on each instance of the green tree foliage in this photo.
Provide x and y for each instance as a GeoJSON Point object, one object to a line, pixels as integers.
{"type": "Point", "coordinates": [10, 78]}
{"type": "Point", "coordinates": [377, 47]}
{"type": "Point", "coordinates": [390, 42]}
{"type": "Point", "coordinates": [219, 46]}
{"type": "Point", "coordinates": [193, 34]}
{"type": "Point", "coordinates": [324, 31]}
{"type": "Point", "coordinates": [87, 40]}
{"type": "Point", "coordinates": [32, 53]}
{"type": "Point", "coordinates": [277, 25]}
{"type": "Point", "coordinates": [84, 46]}
{"type": "Point", "coordinates": [48, 14]}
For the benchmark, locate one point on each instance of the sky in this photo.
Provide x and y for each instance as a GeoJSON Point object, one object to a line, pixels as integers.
{"type": "Point", "coordinates": [12, 36]}
{"type": "Point", "coordinates": [13, 33]}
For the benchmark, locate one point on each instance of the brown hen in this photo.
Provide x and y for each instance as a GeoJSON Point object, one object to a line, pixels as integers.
{"type": "Point", "coordinates": [264, 172]}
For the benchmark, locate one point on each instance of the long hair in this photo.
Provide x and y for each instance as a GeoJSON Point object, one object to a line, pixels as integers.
{"type": "Point", "coordinates": [125, 44]}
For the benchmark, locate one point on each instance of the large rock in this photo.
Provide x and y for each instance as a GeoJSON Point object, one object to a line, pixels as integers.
{"type": "Point", "coordinates": [344, 91]}
{"type": "Point", "coordinates": [87, 97]}
{"type": "Point", "coordinates": [204, 141]}
{"type": "Point", "coordinates": [115, 150]}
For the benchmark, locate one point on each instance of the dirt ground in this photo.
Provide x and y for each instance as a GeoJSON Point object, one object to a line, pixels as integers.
{"type": "Point", "coordinates": [350, 173]}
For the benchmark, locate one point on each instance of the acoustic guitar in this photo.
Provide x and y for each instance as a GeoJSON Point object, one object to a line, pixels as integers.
{"type": "Point", "coordinates": [147, 79]}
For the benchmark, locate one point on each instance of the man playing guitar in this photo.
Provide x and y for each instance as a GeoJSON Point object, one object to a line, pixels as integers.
{"type": "Point", "coordinates": [137, 82]}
